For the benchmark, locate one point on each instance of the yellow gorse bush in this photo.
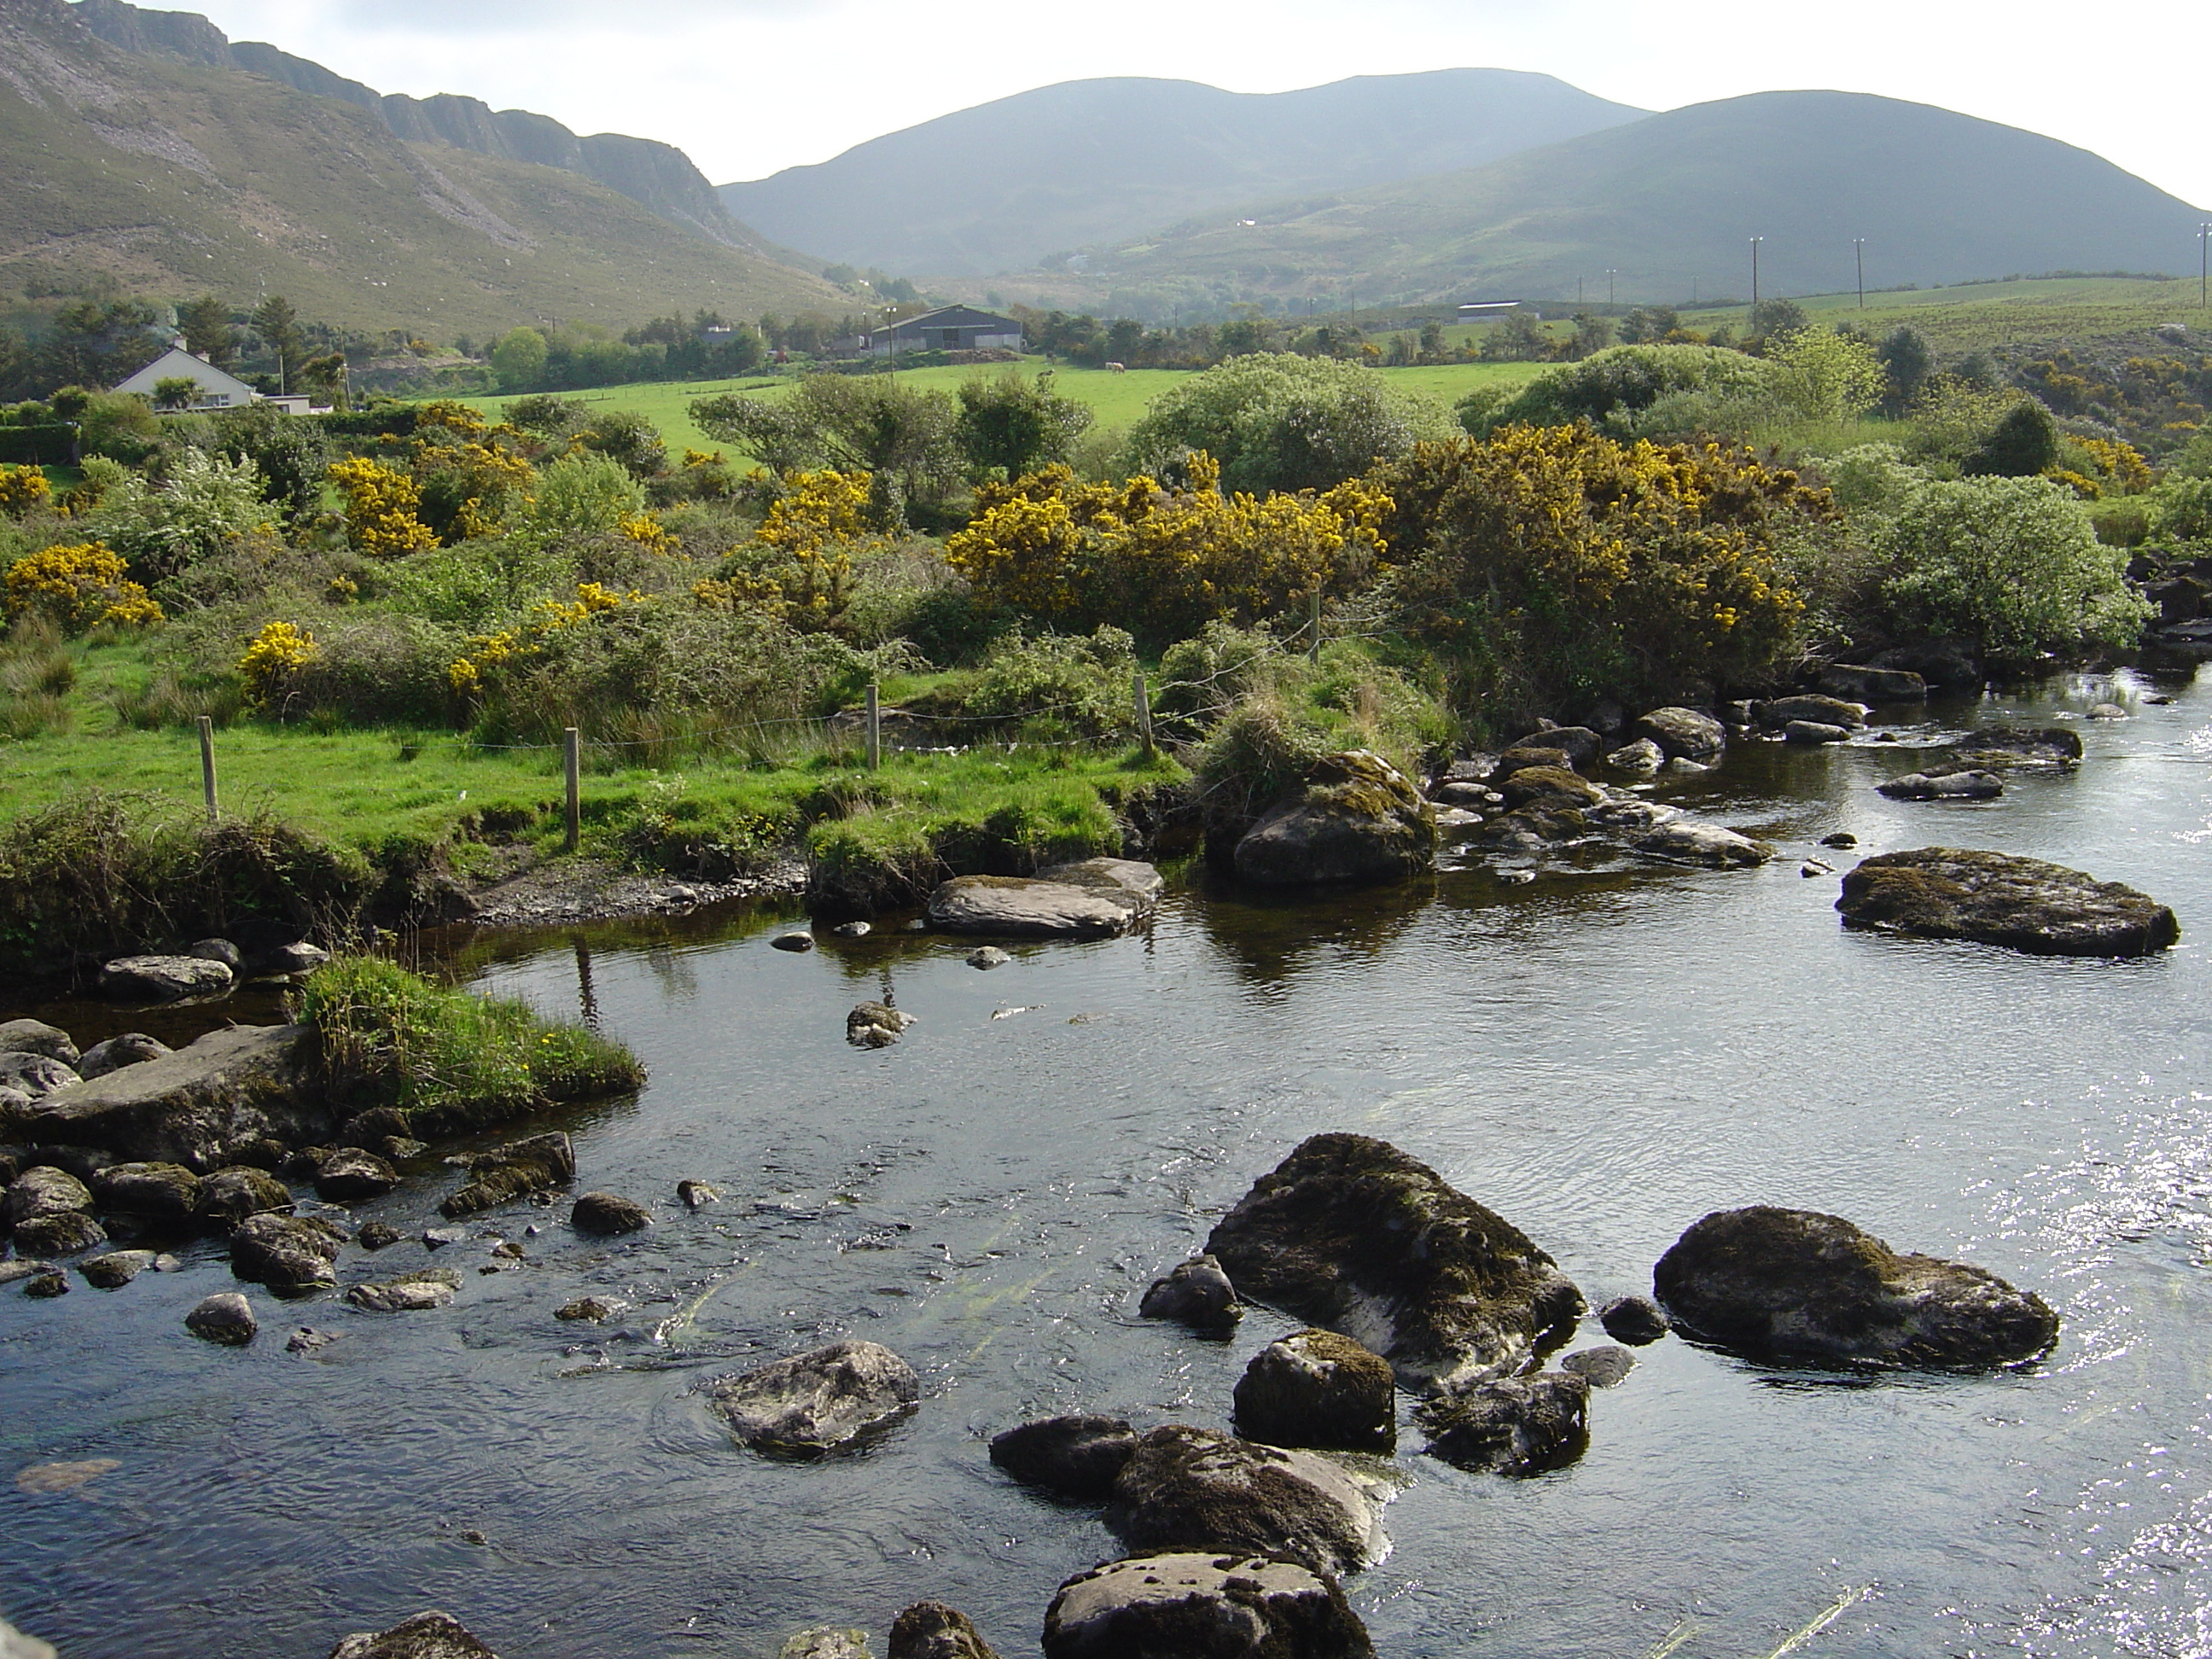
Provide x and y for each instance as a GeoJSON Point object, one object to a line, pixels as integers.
{"type": "Point", "coordinates": [383, 508]}
{"type": "Point", "coordinates": [81, 585]}
{"type": "Point", "coordinates": [1078, 554]}
{"type": "Point", "coordinates": [815, 509]}
{"type": "Point", "coordinates": [486, 652]}
{"type": "Point", "coordinates": [278, 652]}
{"type": "Point", "coordinates": [22, 489]}
{"type": "Point", "coordinates": [649, 533]}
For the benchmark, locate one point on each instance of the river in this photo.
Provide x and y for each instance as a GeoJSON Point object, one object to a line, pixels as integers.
{"type": "Point", "coordinates": [1601, 1055]}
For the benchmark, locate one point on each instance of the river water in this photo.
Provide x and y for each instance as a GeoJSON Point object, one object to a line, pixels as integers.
{"type": "Point", "coordinates": [1602, 1055]}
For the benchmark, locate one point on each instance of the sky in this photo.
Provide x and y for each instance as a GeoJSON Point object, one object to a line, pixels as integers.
{"type": "Point", "coordinates": [748, 87]}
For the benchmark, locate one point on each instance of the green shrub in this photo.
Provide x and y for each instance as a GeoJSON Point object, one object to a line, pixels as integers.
{"type": "Point", "coordinates": [2023, 444]}
{"type": "Point", "coordinates": [1616, 386]}
{"type": "Point", "coordinates": [2008, 566]}
{"type": "Point", "coordinates": [2182, 509]}
{"type": "Point", "coordinates": [449, 1059]}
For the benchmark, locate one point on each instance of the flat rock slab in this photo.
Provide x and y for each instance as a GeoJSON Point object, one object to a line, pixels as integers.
{"type": "Point", "coordinates": [164, 979]}
{"type": "Point", "coordinates": [1187, 1488]}
{"type": "Point", "coordinates": [815, 1401]}
{"type": "Point", "coordinates": [2047, 747]}
{"type": "Point", "coordinates": [1203, 1605]}
{"type": "Point", "coordinates": [1999, 898]}
{"type": "Point", "coordinates": [428, 1287]}
{"type": "Point", "coordinates": [1035, 907]}
{"type": "Point", "coordinates": [1353, 1234]}
{"type": "Point", "coordinates": [200, 1106]}
{"type": "Point", "coordinates": [1967, 784]}
{"type": "Point", "coordinates": [1799, 1285]}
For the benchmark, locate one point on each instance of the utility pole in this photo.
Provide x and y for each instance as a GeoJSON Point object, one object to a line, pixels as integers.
{"type": "Point", "coordinates": [1755, 241]}
{"type": "Point", "coordinates": [2203, 267]}
{"type": "Point", "coordinates": [1579, 291]}
{"type": "Point", "coordinates": [1858, 244]}
{"type": "Point", "coordinates": [1610, 294]}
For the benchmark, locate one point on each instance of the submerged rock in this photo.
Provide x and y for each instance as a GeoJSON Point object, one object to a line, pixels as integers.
{"type": "Point", "coordinates": [1513, 1425]}
{"type": "Point", "coordinates": [817, 1400]}
{"type": "Point", "coordinates": [607, 1215]}
{"type": "Point", "coordinates": [1797, 1285]}
{"type": "Point", "coordinates": [291, 1255]}
{"type": "Point", "coordinates": [1356, 818]}
{"type": "Point", "coordinates": [1998, 747]}
{"type": "Point", "coordinates": [875, 1025]}
{"type": "Point", "coordinates": [1784, 712]}
{"type": "Point", "coordinates": [163, 979]}
{"type": "Point", "coordinates": [2000, 898]}
{"type": "Point", "coordinates": [426, 1636]}
{"type": "Point", "coordinates": [1811, 734]}
{"type": "Point", "coordinates": [1351, 1234]}
{"type": "Point", "coordinates": [1637, 1320]}
{"type": "Point", "coordinates": [930, 1629]}
{"type": "Point", "coordinates": [539, 1163]}
{"type": "Point", "coordinates": [35, 1036]}
{"type": "Point", "coordinates": [1203, 1605]}
{"type": "Point", "coordinates": [826, 1642]}
{"type": "Point", "coordinates": [426, 1288]}
{"type": "Point", "coordinates": [696, 1195]}
{"type": "Point", "coordinates": [1188, 1488]}
{"type": "Point", "coordinates": [226, 1317]}
{"type": "Point", "coordinates": [1601, 1368]}
{"type": "Point", "coordinates": [1318, 1388]}
{"type": "Point", "coordinates": [1967, 785]}
{"type": "Point", "coordinates": [1078, 1457]}
{"type": "Point", "coordinates": [987, 956]}
{"type": "Point", "coordinates": [1865, 685]}
{"type": "Point", "coordinates": [1197, 1293]}
{"type": "Point", "coordinates": [798, 941]}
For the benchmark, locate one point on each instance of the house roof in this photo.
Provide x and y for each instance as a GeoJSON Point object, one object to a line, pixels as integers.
{"type": "Point", "coordinates": [957, 317]}
{"type": "Point", "coordinates": [177, 364]}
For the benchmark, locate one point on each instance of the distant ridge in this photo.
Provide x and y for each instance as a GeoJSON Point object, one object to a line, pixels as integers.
{"type": "Point", "coordinates": [1670, 204]}
{"type": "Point", "coordinates": [174, 177]}
{"type": "Point", "coordinates": [1001, 186]}
{"type": "Point", "coordinates": [658, 175]}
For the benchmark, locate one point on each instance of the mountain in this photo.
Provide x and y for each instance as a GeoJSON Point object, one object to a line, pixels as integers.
{"type": "Point", "coordinates": [1004, 186]}
{"type": "Point", "coordinates": [658, 175]}
{"type": "Point", "coordinates": [177, 177]}
{"type": "Point", "coordinates": [1670, 203]}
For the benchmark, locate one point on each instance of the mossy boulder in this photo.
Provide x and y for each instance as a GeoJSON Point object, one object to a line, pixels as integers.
{"type": "Point", "coordinates": [540, 1164]}
{"type": "Point", "coordinates": [931, 1630]}
{"type": "Point", "coordinates": [166, 1193]}
{"type": "Point", "coordinates": [1356, 819]}
{"type": "Point", "coordinates": [1205, 1605]}
{"type": "Point", "coordinates": [1353, 1234]}
{"type": "Point", "coordinates": [426, 1636]}
{"type": "Point", "coordinates": [1683, 734]}
{"type": "Point", "coordinates": [816, 1401]}
{"type": "Point", "coordinates": [1513, 1425]}
{"type": "Point", "coordinates": [291, 1255]}
{"type": "Point", "coordinates": [1797, 1285]}
{"type": "Point", "coordinates": [2001, 898]}
{"type": "Point", "coordinates": [1188, 1488]}
{"type": "Point", "coordinates": [2045, 748]}
{"type": "Point", "coordinates": [1318, 1388]}
{"type": "Point", "coordinates": [1078, 1457]}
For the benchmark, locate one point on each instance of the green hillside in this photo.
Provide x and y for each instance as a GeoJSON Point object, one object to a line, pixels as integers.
{"type": "Point", "coordinates": [174, 177]}
{"type": "Point", "coordinates": [1003, 186]}
{"type": "Point", "coordinates": [1669, 203]}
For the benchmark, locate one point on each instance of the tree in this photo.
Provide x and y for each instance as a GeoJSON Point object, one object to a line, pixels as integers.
{"type": "Point", "coordinates": [848, 423]}
{"type": "Point", "coordinates": [93, 344]}
{"type": "Point", "coordinates": [1125, 339]}
{"type": "Point", "coordinates": [1592, 335]}
{"type": "Point", "coordinates": [289, 455]}
{"type": "Point", "coordinates": [208, 333]}
{"type": "Point", "coordinates": [325, 377]}
{"type": "Point", "coordinates": [277, 320]}
{"type": "Point", "coordinates": [1647, 325]}
{"type": "Point", "coordinates": [1771, 318]}
{"type": "Point", "coordinates": [1432, 342]}
{"type": "Point", "coordinates": [2008, 566]}
{"type": "Point", "coordinates": [2023, 443]}
{"type": "Point", "coordinates": [1016, 426]}
{"type": "Point", "coordinates": [175, 391]}
{"type": "Point", "coordinates": [519, 360]}
{"type": "Point", "coordinates": [1277, 422]}
{"type": "Point", "coordinates": [1907, 362]}
{"type": "Point", "coordinates": [1517, 337]}
{"type": "Point", "coordinates": [1827, 376]}
{"type": "Point", "coordinates": [1623, 380]}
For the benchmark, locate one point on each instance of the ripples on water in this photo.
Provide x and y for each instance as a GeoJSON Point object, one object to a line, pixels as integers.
{"type": "Point", "coordinates": [1602, 1055]}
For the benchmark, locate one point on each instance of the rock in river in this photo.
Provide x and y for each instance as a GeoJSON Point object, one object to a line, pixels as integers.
{"type": "Point", "coordinates": [1967, 785]}
{"type": "Point", "coordinates": [1684, 734]}
{"type": "Point", "coordinates": [1187, 1488]}
{"type": "Point", "coordinates": [115, 1269]}
{"type": "Point", "coordinates": [1078, 1457]}
{"type": "Point", "coordinates": [1513, 1425]}
{"type": "Point", "coordinates": [1318, 1388]}
{"type": "Point", "coordinates": [166, 1192]}
{"type": "Point", "coordinates": [1685, 840]}
{"type": "Point", "coordinates": [1797, 1285]}
{"type": "Point", "coordinates": [875, 1025]}
{"type": "Point", "coordinates": [2000, 898]}
{"type": "Point", "coordinates": [815, 1401]}
{"type": "Point", "coordinates": [229, 1197]}
{"type": "Point", "coordinates": [226, 1317]}
{"type": "Point", "coordinates": [1356, 818]}
{"type": "Point", "coordinates": [426, 1636]}
{"type": "Point", "coordinates": [540, 1164]}
{"type": "Point", "coordinates": [62, 1233]}
{"type": "Point", "coordinates": [163, 979]}
{"type": "Point", "coordinates": [1197, 1293]}
{"type": "Point", "coordinates": [43, 1191]}
{"type": "Point", "coordinates": [35, 1075]}
{"type": "Point", "coordinates": [426, 1288]}
{"type": "Point", "coordinates": [1203, 1605]}
{"type": "Point", "coordinates": [607, 1215]}
{"type": "Point", "coordinates": [291, 1255]}
{"type": "Point", "coordinates": [1637, 1320]}
{"type": "Point", "coordinates": [204, 1106]}
{"type": "Point", "coordinates": [351, 1173]}
{"type": "Point", "coordinates": [930, 1629]}
{"type": "Point", "coordinates": [1095, 899]}
{"type": "Point", "coordinates": [1351, 1234]}
{"type": "Point", "coordinates": [35, 1036]}
{"type": "Point", "coordinates": [1604, 1367]}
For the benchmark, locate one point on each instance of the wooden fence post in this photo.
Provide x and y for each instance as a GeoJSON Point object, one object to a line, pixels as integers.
{"type": "Point", "coordinates": [207, 763]}
{"type": "Point", "coordinates": [1313, 645]}
{"type": "Point", "coordinates": [572, 754]}
{"type": "Point", "coordinates": [875, 727]}
{"type": "Point", "coordinates": [1144, 697]}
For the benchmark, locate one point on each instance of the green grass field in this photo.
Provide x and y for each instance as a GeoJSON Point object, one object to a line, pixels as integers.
{"type": "Point", "coordinates": [1117, 400]}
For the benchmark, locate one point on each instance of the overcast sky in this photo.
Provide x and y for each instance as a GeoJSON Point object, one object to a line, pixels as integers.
{"type": "Point", "coordinates": [750, 86]}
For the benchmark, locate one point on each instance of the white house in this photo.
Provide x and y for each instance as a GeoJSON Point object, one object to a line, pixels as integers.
{"type": "Point", "coordinates": [217, 389]}
{"type": "Point", "coordinates": [949, 328]}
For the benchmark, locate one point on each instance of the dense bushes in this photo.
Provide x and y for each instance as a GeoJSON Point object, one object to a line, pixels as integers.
{"type": "Point", "coordinates": [1552, 565]}
{"type": "Point", "coordinates": [1614, 386]}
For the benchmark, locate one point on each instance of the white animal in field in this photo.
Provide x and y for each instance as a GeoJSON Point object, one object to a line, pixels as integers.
{"type": "Point", "coordinates": [1117, 368]}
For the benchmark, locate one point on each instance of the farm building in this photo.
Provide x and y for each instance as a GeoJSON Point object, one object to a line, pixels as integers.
{"type": "Point", "coordinates": [949, 328]}
{"type": "Point", "coordinates": [217, 389]}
